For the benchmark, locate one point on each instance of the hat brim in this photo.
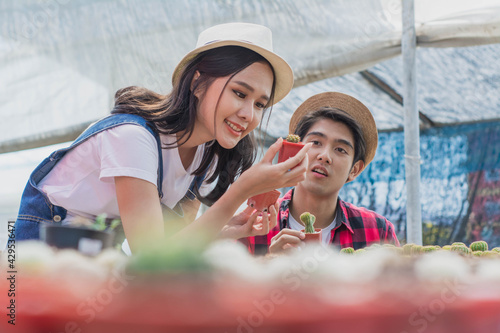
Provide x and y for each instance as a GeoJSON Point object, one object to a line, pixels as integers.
{"type": "Point", "coordinates": [357, 110]}
{"type": "Point", "coordinates": [282, 71]}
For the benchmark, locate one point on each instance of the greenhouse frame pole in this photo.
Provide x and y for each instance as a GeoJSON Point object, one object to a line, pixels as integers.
{"type": "Point", "coordinates": [411, 126]}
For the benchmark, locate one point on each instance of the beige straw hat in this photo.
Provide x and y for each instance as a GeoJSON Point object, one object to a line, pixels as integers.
{"type": "Point", "coordinates": [255, 37]}
{"type": "Point", "coordinates": [357, 110]}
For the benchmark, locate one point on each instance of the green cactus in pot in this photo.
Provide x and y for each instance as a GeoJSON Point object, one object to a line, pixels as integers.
{"type": "Point", "coordinates": [293, 138]}
{"type": "Point", "coordinates": [479, 246]}
{"type": "Point", "coordinates": [308, 219]}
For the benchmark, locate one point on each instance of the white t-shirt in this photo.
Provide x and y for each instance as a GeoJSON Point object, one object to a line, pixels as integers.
{"type": "Point", "coordinates": [83, 181]}
{"type": "Point", "coordinates": [325, 233]}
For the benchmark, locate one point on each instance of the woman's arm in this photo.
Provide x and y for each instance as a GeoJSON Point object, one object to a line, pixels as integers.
{"type": "Point", "coordinates": [140, 211]}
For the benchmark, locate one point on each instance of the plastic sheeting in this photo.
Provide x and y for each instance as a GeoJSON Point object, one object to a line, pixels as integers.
{"type": "Point", "coordinates": [62, 61]}
{"type": "Point", "coordinates": [455, 85]}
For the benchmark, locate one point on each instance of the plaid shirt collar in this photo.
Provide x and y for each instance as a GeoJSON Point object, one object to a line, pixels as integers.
{"type": "Point", "coordinates": [285, 212]}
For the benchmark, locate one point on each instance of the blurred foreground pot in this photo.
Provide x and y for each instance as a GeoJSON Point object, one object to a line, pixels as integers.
{"type": "Point", "coordinates": [85, 240]}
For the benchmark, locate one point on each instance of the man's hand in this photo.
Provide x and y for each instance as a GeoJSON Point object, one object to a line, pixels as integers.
{"type": "Point", "coordinates": [250, 222]}
{"type": "Point", "coordinates": [286, 240]}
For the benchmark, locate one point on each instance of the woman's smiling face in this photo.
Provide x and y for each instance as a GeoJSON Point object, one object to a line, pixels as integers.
{"type": "Point", "coordinates": [228, 112]}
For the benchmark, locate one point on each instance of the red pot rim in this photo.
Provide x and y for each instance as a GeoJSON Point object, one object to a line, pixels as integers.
{"type": "Point", "coordinates": [316, 231]}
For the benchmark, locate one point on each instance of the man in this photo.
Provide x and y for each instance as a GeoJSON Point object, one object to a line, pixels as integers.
{"type": "Point", "coordinates": [344, 137]}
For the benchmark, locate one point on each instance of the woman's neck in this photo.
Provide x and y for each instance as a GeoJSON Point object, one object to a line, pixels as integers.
{"type": "Point", "coordinates": [187, 151]}
{"type": "Point", "coordinates": [187, 155]}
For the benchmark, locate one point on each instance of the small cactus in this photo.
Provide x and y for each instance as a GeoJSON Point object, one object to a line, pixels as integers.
{"type": "Point", "coordinates": [458, 243]}
{"type": "Point", "coordinates": [496, 249]}
{"type": "Point", "coordinates": [358, 251]}
{"type": "Point", "coordinates": [477, 253]}
{"type": "Point", "coordinates": [293, 138]}
{"type": "Point", "coordinates": [447, 247]}
{"type": "Point", "coordinates": [347, 250]}
{"type": "Point", "coordinates": [479, 246]}
{"type": "Point", "coordinates": [308, 219]}
{"type": "Point", "coordinates": [100, 223]}
{"type": "Point", "coordinates": [490, 254]}
{"type": "Point", "coordinates": [417, 249]}
{"type": "Point", "coordinates": [463, 250]}
{"type": "Point", "coordinates": [407, 248]}
{"type": "Point", "coordinates": [429, 248]}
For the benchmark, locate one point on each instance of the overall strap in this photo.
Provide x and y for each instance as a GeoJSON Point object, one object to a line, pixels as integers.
{"type": "Point", "coordinates": [109, 122]}
{"type": "Point", "coordinates": [189, 196]}
{"type": "Point", "coordinates": [196, 183]}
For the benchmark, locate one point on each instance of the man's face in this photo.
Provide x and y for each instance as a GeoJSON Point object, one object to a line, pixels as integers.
{"type": "Point", "coordinates": [330, 158]}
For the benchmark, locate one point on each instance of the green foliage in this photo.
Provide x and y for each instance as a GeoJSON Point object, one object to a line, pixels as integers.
{"type": "Point", "coordinates": [170, 257]}
{"type": "Point", "coordinates": [293, 138]}
{"type": "Point", "coordinates": [100, 223]}
{"type": "Point", "coordinates": [435, 233]}
{"type": "Point", "coordinates": [479, 246]}
{"type": "Point", "coordinates": [308, 219]}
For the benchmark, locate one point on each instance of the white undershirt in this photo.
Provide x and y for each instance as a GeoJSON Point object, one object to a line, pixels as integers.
{"type": "Point", "coordinates": [325, 233]}
{"type": "Point", "coordinates": [83, 181]}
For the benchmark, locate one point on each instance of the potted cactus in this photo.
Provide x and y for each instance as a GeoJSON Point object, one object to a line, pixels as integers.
{"type": "Point", "coordinates": [347, 250]}
{"type": "Point", "coordinates": [262, 201]}
{"type": "Point", "coordinates": [461, 249]}
{"type": "Point", "coordinates": [312, 234]}
{"type": "Point", "coordinates": [479, 246]}
{"type": "Point", "coordinates": [88, 237]}
{"type": "Point", "coordinates": [291, 146]}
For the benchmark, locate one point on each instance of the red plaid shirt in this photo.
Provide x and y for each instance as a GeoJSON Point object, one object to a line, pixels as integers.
{"type": "Point", "coordinates": [356, 227]}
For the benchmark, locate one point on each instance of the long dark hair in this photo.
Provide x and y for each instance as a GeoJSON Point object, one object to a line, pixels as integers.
{"type": "Point", "coordinates": [176, 112]}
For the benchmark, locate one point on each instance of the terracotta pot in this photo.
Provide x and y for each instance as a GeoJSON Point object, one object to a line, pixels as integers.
{"type": "Point", "coordinates": [85, 240]}
{"type": "Point", "coordinates": [289, 149]}
{"type": "Point", "coordinates": [262, 201]}
{"type": "Point", "coordinates": [316, 237]}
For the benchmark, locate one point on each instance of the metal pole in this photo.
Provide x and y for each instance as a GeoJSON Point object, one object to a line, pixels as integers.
{"type": "Point", "coordinates": [43, 139]}
{"type": "Point", "coordinates": [411, 126]}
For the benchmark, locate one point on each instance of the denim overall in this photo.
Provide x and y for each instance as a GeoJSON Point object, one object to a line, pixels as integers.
{"type": "Point", "coordinates": [36, 208]}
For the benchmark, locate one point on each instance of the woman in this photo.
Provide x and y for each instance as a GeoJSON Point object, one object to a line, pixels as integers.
{"type": "Point", "coordinates": [155, 150]}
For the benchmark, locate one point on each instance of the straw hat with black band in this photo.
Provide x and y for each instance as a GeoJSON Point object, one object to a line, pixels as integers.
{"type": "Point", "coordinates": [254, 37]}
{"type": "Point", "coordinates": [357, 110]}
